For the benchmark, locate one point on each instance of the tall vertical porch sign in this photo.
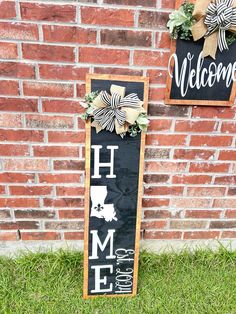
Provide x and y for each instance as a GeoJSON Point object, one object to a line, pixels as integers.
{"type": "Point", "coordinates": [113, 196]}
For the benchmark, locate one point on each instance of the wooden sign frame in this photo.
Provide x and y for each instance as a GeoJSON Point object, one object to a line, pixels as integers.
{"type": "Point", "coordinates": [112, 78]}
{"type": "Point", "coordinates": [171, 101]}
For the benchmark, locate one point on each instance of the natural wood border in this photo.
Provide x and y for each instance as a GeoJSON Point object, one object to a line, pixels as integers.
{"type": "Point", "coordinates": [125, 78]}
{"type": "Point", "coordinates": [169, 101]}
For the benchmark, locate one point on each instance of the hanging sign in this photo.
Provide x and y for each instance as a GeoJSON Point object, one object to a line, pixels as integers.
{"type": "Point", "coordinates": [202, 63]}
{"type": "Point", "coordinates": [114, 178]}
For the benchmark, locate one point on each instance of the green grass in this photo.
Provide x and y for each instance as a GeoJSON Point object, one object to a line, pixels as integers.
{"type": "Point", "coordinates": [202, 282]}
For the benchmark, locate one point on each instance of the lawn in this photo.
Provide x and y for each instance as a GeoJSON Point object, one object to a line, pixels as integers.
{"type": "Point", "coordinates": [202, 282]}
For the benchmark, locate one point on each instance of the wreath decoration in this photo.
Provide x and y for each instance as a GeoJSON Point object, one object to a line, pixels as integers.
{"type": "Point", "coordinates": [115, 111]}
{"type": "Point", "coordinates": [213, 20]}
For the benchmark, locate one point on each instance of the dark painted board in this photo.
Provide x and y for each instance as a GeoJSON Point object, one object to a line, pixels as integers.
{"type": "Point", "coordinates": [122, 192]}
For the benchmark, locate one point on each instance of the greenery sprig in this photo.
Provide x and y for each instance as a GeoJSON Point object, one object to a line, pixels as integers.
{"type": "Point", "coordinates": [141, 124]}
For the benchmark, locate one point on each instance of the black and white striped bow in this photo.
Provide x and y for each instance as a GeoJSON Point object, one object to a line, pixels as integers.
{"type": "Point", "coordinates": [107, 116]}
{"type": "Point", "coordinates": [220, 16]}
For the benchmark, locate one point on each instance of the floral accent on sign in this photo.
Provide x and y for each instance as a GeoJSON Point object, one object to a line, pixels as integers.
{"type": "Point", "coordinates": [115, 111]}
{"type": "Point", "coordinates": [213, 20]}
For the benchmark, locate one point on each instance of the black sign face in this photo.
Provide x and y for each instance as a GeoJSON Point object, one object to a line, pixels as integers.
{"type": "Point", "coordinates": [113, 216]}
{"type": "Point", "coordinates": [197, 80]}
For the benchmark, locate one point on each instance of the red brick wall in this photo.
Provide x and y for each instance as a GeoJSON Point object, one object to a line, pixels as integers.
{"type": "Point", "coordinates": [46, 49]}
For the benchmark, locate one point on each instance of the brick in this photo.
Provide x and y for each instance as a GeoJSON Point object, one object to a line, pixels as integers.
{"type": "Point", "coordinates": [206, 191]}
{"type": "Point", "coordinates": [209, 167]}
{"type": "Point", "coordinates": [64, 225]}
{"type": "Point", "coordinates": [9, 87]}
{"type": "Point", "coordinates": [169, 167]}
{"type": "Point", "coordinates": [2, 190]}
{"type": "Point", "coordinates": [69, 191]}
{"type": "Point", "coordinates": [67, 137]}
{"type": "Point", "coordinates": [8, 236]}
{"type": "Point", "coordinates": [229, 179]}
{"type": "Point", "coordinates": [230, 224]}
{"type": "Point", "coordinates": [62, 106]}
{"type": "Point", "coordinates": [156, 178]}
{"type": "Point", "coordinates": [198, 154]}
{"type": "Point", "coordinates": [48, 89]}
{"type": "Point", "coordinates": [5, 214]}
{"type": "Point", "coordinates": [40, 236]}
{"type": "Point", "coordinates": [201, 235]}
{"type": "Point", "coordinates": [213, 112]}
{"type": "Point", "coordinates": [207, 140]}
{"type": "Point", "coordinates": [230, 203]}
{"type": "Point", "coordinates": [21, 135]}
{"type": "Point", "coordinates": [48, 53]}
{"type": "Point", "coordinates": [157, 76]}
{"type": "Point", "coordinates": [195, 126]}
{"type": "Point", "coordinates": [34, 214]}
{"type": "Point", "coordinates": [59, 72]}
{"type": "Point", "coordinates": [69, 165]}
{"type": "Point", "coordinates": [232, 192]}
{"type": "Point", "coordinates": [188, 224]}
{"type": "Point", "coordinates": [14, 150]}
{"type": "Point", "coordinates": [7, 10]}
{"type": "Point", "coordinates": [17, 104]}
{"type": "Point", "coordinates": [8, 50]}
{"type": "Point", "coordinates": [156, 94]}
{"type": "Point", "coordinates": [80, 90]}
{"type": "Point", "coordinates": [56, 151]}
{"type": "Point", "coordinates": [26, 165]}
{"type": "Point", "coordinates": [210, 214]}
{"type": "Point", "coordinates": [126, 38]}
{"type": "Point", "coordinates": [155, 202]}
{"type": "Point", "coordinates": [227, 155]}
{"type": "Point", "coordinates": [71, 214]}
{"type": "Point", "coordinates": [10, 120]}
{"type": "Point", "coordinates": [16, 69]}
{"type": "Point", "coordinates": [162, 235]}
{"type": "Point", "coordinates": [157, 153]}
{"type": "Point", "coordinates": [151, 58]}
{"type": "Point", "coordinates": [167, 111]}
{"type": "Point", "coordinates": [49, 122]}
{"type": "Point", "coordinates": [60, 178]}
{"type": "Point", "coordinates": [157, 224]}
{"type": "Point", "coordinates": [19, 202]}
{"type": "Point", "coordinates": [164, 190]}
{"type": "Point", "coordinates": [68, 34]}
{"type": "Point", "coordinates": [118, 71]}
{"type": "Point", "coordinates": [111, 17]}
{"type": "Point", "coordinates": [165, 139]}
{"type": "Point", "coordinates": [64, 202]}
{"type": "Point", "coordinates": [230, 213]}
{"type": "Point", "coordinates": [18, 31]}
{"type": "Point", "coordinates": [19, 225]}
{"type": "Point", "coordinates": [228, 234]}
{"type": "Point", "coordinates": [190, 202]}
{"type": "Point", "coordinates": [168, 4]}
{"type": "Point", "coordinates": [12, 177]}
{"type": "Point", "coordinates": [228, 127]}
{"type": "Point", "coordinates": [151, 19]}
{"type": "Point", "coordinates": [159, 125]}
{"type": "Point", "coordinates": [30, 190]}
{"type": "Point", "coordinates": [156, 214]}
{"type": "Point", "coordinates": [191, 179]}
{"type": "Point", "coordinates": [47, 12]}
{"type": "Point", "coordinates": [73, 235]}
{"type": "Point", "coordinates": [106, 56]}
{"type": "Point", "coordinates": [163, 40]}
{"type": "Point", "coordinates": [146, 3]}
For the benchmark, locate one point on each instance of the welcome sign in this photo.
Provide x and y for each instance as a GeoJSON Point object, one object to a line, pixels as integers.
{"type": "Point", "coordinates": [114, 178]}
{"type": "Point", "coordinates": [194, 80]}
